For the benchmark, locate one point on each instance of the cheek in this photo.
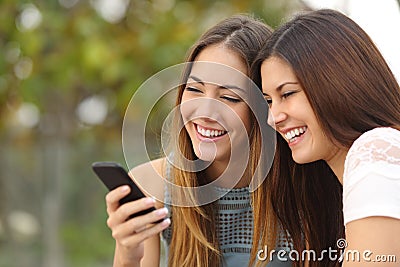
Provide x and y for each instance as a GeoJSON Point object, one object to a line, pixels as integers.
{"type": "Point", "coordinates": [245, 121]}
{"type": "Point", "coordinates": [186, 109]}
{"type": "Point", "coordinates": [323, 140]}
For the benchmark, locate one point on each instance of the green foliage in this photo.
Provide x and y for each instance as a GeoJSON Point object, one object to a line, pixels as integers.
{"type": "Point", "coordinates": [88, 244]}
{"type": "Point", "coordinates": [71, 54]}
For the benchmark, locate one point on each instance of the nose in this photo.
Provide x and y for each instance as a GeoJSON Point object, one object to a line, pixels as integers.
{"type": "Point", "coordinates": [276, 116]}
{"type": "Point", "coordinates": [211, 108]}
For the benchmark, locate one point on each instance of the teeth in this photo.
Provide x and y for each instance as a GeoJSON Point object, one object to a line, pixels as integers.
{"type": "Point", "coordinates": [209, 133]}
{"type": "Point", "coordinates": [295, 132]}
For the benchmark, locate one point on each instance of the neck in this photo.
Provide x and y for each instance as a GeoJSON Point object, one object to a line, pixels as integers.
{"type": "Point", "coordinates": [336, 163]}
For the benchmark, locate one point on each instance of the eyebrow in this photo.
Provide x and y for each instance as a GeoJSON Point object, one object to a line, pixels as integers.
{"type": "Point", "coordinates": [279, 88]}
{"type": "Point", "coordinates": [227, 86]}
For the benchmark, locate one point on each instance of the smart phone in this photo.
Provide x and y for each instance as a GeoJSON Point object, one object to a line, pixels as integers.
{"type": "Point", "coordinates": [114, 175]}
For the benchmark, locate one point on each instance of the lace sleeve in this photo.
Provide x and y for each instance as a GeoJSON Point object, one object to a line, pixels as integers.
{"type": "Point", "coordinates": [378, 145]}
{"type": "Point", "coordinates": [371, 179]}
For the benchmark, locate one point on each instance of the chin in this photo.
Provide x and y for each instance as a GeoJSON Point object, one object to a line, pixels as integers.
{"type": "Point", "coordinates": [300, 159]}
{"type": "Point", "coordinates": [205, 157]}
{"type": "Point", "coordinates": [205, 154]}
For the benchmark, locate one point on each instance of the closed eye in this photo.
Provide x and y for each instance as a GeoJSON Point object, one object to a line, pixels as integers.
{"type": "Point", "coordinates": [192, 89]}
{"type": "Point", "coordinates": [284, 96]}
{"type": "Point", "coordinates": [287, 94]}
{"type": "Point", "coordinates": [231, 99]}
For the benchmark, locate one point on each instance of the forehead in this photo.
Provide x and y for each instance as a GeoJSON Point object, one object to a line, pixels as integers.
{"type": "Point", "coordinates": [275, 72]}
{"type": "Point", "coordinates": [218, 74]}
{"type": "Point", "coordinates": [220, 65]}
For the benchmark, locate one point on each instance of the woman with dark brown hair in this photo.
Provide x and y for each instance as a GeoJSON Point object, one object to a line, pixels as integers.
{"type": "Point", "coordinates": [336, 106]}
{"type": "Point", "coordinates": [213, 119]}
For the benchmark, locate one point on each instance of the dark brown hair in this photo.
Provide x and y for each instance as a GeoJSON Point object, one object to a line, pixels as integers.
{"type": "Point", "coordinates": [194, 234]}
{"type": "Point", "coordinates": [351, 90]}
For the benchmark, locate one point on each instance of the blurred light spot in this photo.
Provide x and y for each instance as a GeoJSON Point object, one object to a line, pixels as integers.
{"type": "Point", "coordinates": [68, 3]}
{"type": "Point", "coordinates": [163, 5]}
{"type": "Point", "coordinates": [23, 223]}
{"type": "Point", "coordinates": [184, 12]}
{"type": "Point", "coordinates": [13, 52]}
{"type": "Point", "coordinates": [29, 19]}
{"type": "Point", "coordinates": [28, 115]}
{"type": "Point", "coordinates": [111, 10]}
{"type": "Point", "coordinates": [92, 110]}
{"type": "Point", "coordinates": [23, 68]}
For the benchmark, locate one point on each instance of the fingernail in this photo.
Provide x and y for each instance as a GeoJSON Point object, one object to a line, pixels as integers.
{"type": "Point", "coordinates": [167, 221]}
{"type": "Point", "coordinates": [124, 188]}
{"type": "Point", "coordinates": [150, 200]}
{"type": "Point", "coordinates": [162, 211]}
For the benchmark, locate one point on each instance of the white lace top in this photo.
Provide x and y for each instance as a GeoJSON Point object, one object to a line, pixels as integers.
{"type": "Point", "coordinates": [371, 178]}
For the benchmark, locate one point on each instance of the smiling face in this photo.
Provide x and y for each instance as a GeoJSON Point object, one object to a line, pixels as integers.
{"type": "Point", "coordinates": [212, 106]}
{"type": "Point", "coordinates": [292, 115]}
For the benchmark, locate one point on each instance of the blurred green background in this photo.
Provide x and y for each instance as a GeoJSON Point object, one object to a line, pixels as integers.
{"type": "Point", "coordinates": [68, 69]}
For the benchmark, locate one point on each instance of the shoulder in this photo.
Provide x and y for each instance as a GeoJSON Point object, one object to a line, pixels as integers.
{"type": "Point", "coordinates": [150, 178]}
{"type": "Point", "coordinates": [157, 166]}
{"type": "Point", "coordinates": [371, 179]}
{"type": "Point", "coordinates": [377, 139]}
{"type": "Point", "coordinates": [377, 145]}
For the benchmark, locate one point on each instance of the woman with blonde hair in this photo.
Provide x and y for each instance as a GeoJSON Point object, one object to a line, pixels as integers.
{"type": "Point", "coordinates": [213, 122]}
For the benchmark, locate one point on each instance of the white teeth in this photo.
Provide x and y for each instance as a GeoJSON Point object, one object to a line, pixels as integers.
{"type": "Point", "coordinates": [295, 132]}
{"type": "Point", "coordinates": [209, 133]}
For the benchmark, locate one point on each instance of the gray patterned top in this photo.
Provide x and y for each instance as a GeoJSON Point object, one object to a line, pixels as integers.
{"type": "Point", "coordinates": [235, 228]}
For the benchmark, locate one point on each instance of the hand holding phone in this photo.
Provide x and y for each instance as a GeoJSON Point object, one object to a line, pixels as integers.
{"type": "Point", "coordinates": [130, 234]}
{"type": "Point", "coordinates": [114, 175]}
